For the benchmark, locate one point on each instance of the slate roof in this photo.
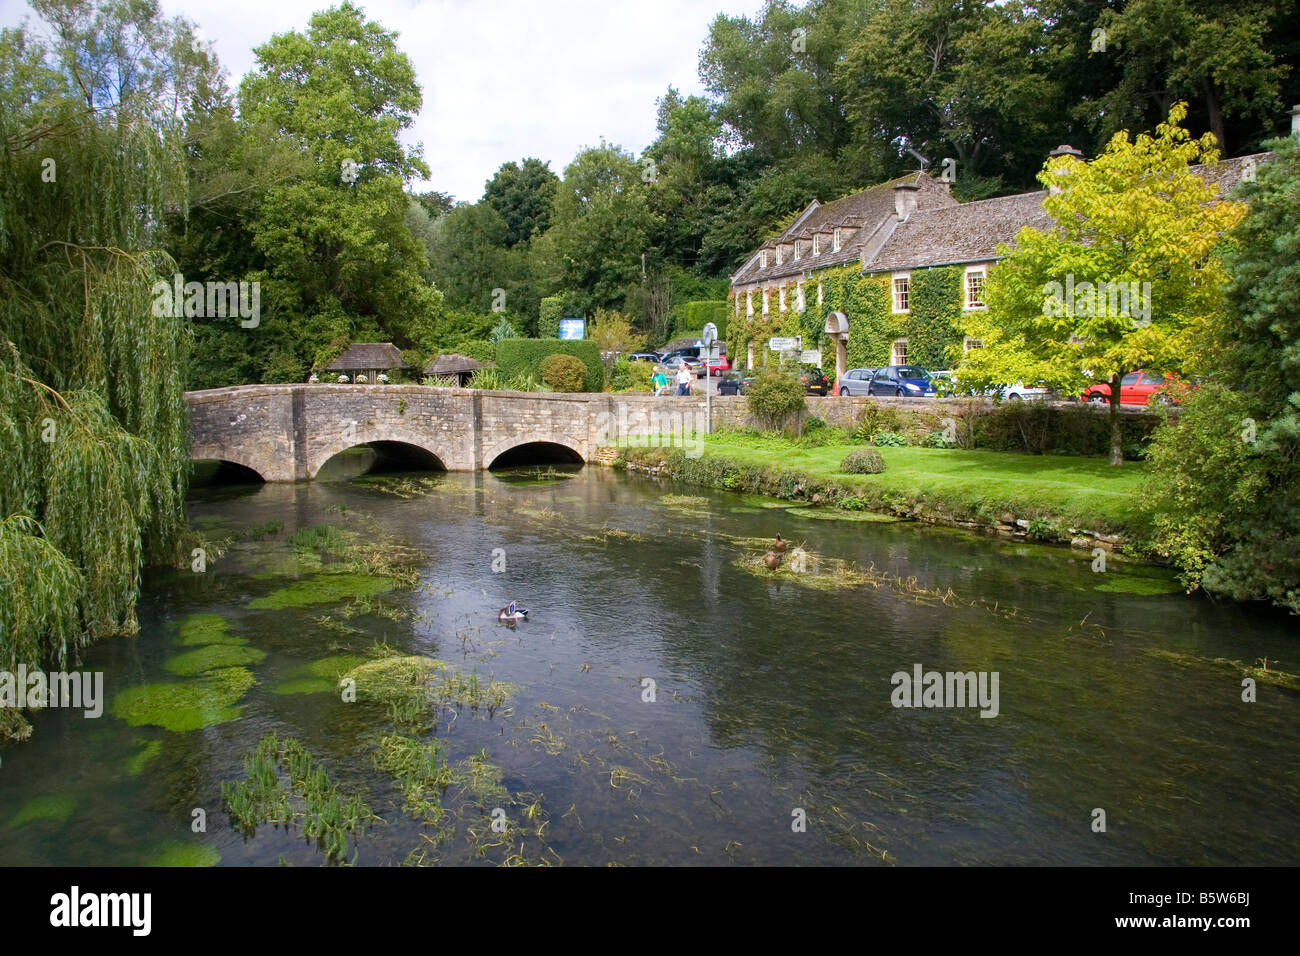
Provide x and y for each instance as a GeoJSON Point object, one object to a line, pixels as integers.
{"type": "Point", "coordinates": [364, 356]}
{"type": "Point", "coordinates": [968, 232]}
{"type": "Point", "coordinates": [452, 364]}
{"type": "Point", "coordinates": [868, 209]}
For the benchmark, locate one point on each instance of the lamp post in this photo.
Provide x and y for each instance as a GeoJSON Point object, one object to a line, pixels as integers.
{"type": "Point", "coordinates": [707, 338]}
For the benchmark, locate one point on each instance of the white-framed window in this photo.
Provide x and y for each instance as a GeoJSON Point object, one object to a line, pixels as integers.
{"type": "Point", "coordinates": [975, 288]}
{"type": "Point", "coordinates": [835, 242]}
{"type": "Point", "coordinates": [969, 343]}
{"type": "Point", "coordinates": [902, 286]}
{"type": "Point", "coordinates": [817, 244]}
{"type": "Point", "coordinates": [820, 296]}
{"type": "Point", "coordinates": [762, 259]}
{"type": "Point", "coordinates": [796, 250]}
{"type": "Point", "coordinates": [898, 352]}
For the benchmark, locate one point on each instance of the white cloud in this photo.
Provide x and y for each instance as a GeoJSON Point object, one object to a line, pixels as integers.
{"type": "Point", "coordinates": [502, 79]}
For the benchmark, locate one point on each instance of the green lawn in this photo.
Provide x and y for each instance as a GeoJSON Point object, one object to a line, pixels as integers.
{"type": "Point", "coordinates": [1083, 492]}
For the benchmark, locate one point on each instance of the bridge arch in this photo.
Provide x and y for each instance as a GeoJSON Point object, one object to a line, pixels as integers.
{"type": "Point", "coordinates": [416, 451]}
{"type": "Point", "coordinates": [225, 456]}
{"type": "Point", "coordinates": [577, 449]}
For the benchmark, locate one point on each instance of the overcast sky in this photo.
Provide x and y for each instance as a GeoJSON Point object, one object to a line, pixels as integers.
{"type": "Point", "coordinates": [502, 79]}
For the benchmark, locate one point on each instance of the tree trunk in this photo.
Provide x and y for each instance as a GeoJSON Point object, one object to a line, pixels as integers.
{"type": "Point", "coordinates": [1217, 126]}
{"type": "Point", "coordinates": [1116, 432]}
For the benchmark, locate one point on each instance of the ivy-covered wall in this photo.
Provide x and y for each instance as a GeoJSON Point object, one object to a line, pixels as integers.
{"type": "Point", "coordinates": [934, 336]}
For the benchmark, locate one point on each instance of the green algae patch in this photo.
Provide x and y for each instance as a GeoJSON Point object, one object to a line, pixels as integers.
{"type": "Point", "coordinates": [1273, 676]}
{"type": "Point", "coordinates": [55, 808]}
{"type": "Point", "coordinates": [1144, 583]}
{"type": "Point", "coordinates": [186, 705]}
{"type": "Point", "coordinates": [200, 629]}
{"type": "Point", "coordinates": [136, 763]}
{"type": "Point", "coordinates": [213, 657]}
{"type": "Point", "coordinates": [324, 589]}
{"type": "Point", "coordinates": [690, 503]}
{"type": "Point", "coordinates": [393, 680]}
{"type": "Point", "coordinates": [840, 514]}
{"type": "Point", "coordinates": [173, 853]}
{"type": "Point", "coordinates": [763, 501]}
{"type": "Point", "coordinates": [318, 677]}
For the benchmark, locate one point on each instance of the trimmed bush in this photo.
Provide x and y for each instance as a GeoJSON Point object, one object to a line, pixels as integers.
{"type": "Point", "coordinates": [524, 357]}
{"type": "Point", "coordinates": [564, 373]}
{"type": "Point", "coordinates": [863, 461]}
{"type": "Point", "coordinates": [937, 440]}
{"type": "Point", "coordinates": [773, 398]}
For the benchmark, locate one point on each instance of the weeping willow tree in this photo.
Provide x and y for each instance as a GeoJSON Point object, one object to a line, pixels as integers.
{"type": "Point", "coordinates": [92, 414]}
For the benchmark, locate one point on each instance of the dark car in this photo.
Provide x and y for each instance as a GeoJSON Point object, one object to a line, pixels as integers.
{"type": "Point", "coordinates": [856, 381]}
{"type": "Point", "coordinates": [814, 380]}
{"type": "Point", "coordinates": [735, 383]}
{"type": "Point", "coordinates": [909, 381]}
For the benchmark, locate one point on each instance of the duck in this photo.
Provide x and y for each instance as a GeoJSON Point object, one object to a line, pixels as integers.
{"type": "Point", "coordinates": [512, 613]}
{"type": "Point", "coordinates": [772, 560]}
{"type": "Point", "coordinates": [780, 545]}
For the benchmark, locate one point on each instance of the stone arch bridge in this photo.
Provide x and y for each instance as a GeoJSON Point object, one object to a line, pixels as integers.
{"type": "Point", "coordinates": [287, 432]}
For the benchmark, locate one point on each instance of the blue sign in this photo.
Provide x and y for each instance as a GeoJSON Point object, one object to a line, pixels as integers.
{"type": "Point", "coordinates": [573, 328]}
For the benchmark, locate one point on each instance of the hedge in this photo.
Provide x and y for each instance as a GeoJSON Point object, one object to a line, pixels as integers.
{"type": "Point", "coordinates": [524, 357]}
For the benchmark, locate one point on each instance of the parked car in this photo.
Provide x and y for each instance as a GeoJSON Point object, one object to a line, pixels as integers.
{"type": "Point", "coordinates": [814, 380]}
{"type": "Point", "coordinates": [856, 381]}
{"type": "Point", "coordinates": [734, 383]}
{"type": "Point", "coordinates": [644, 357]}
{"type": "Point", "coordinates": [910, 381]}
{"type": "Point", "coordinates": [673, 362]}
{"type": "Point", "coordinates": [719, 365]}
{"type": "Point", "coordinates": [1138, 388]}
{"type": "Point", "coordinates": [1020, 392]}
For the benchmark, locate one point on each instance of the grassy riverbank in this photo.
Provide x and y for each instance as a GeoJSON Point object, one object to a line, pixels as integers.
{"type": "Point", "coordinates": [948, 486]}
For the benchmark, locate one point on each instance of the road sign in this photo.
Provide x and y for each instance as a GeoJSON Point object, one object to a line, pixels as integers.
{"type": "Point", "coordinates": [710, 334]}
{"type": "Point", "coordinates": [784, 344]}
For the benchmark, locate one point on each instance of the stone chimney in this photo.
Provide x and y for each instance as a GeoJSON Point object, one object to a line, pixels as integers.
{"type": "Point", "coordinates": [1063, 150]}
{"type": "Point", "coordinates": [905, 199]}
{"type": "Point", "coordinates": [1295, 120]}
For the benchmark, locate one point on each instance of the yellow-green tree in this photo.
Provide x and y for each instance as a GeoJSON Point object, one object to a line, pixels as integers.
{"type": "Point", "coordinates": [1128, 276]}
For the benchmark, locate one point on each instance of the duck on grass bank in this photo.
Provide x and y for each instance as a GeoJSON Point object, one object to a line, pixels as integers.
{"type": "Point", "coordinates": [512, 613]}
{"type": "Point", "coordinates": [772, 560]}
{"type": "Point", "coordinates": [780, 544]}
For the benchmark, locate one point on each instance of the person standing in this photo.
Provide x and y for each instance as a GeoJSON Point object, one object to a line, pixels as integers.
{"type": "Point", "coordinates": [660, 381]}
{"type": "Point", "coordinates": [684, 379]}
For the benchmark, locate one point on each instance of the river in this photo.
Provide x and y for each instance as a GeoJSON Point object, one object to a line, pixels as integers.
{"type": "Point", "coordinates": [670, 700]}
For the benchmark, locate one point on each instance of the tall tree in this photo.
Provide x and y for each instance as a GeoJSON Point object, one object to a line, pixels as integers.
{"type": "Point", "coordinates": [340, 253]}
{"type": "Point", "coordinates": [1136, 220]}
{"type": "Point", "coordinates": [522, 196]}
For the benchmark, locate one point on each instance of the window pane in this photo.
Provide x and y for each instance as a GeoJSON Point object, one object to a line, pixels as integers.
{"type": "Point", "coordinates": [1129, 379]}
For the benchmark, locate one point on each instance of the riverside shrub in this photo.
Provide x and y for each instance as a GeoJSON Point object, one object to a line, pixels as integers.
{"type": "Point", "coordinates": [774, 397]}
{"type": "Point", "coordinates": [564, 373]}
{"type": "Point", "coordinates": [863, 461]}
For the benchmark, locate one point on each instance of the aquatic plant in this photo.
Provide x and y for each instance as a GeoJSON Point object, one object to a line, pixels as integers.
{"type": "Point", "coordinates": [199, 629]}
{"type": "Point", "coordinates": [212, 657]}
{"type": "Point", "coordinates": [327, 816]}
{"type": "Point", "coordinates": [186, 705]}
{"type": "Point", "coordinates": [55, 807]}
{"type": "Point", "coordinates": [136, 763]}
{"type": "Point", "coordinates": [323, 589]}
{"type": "Point", "coordinates": [326, 539]}
{"type": "Point", "coordinates": [318, 677]}
{"type": "Point", "coordinates": [175, 853]}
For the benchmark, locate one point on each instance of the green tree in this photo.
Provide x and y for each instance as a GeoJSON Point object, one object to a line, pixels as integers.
{"type": "Point", "coordinates": [341, 255]}
{"type": "Point", "coordinates": [1225, 480]}
{"type": "Point", "coordinates": [1135, 219]}
{"type": "Point", "coordinates": [92, 415]}
{"type": "Point", "coordinates": [522, 196]}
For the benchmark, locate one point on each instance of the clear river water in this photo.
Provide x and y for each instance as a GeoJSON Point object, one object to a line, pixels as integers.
{"type": "Point", "coordinates": [767, 736]}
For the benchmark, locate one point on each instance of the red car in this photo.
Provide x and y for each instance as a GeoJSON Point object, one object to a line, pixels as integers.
{"type": "Point", "coordinates": [1137, 388]}
{"type": "Point", "coordinates": [719, 365]}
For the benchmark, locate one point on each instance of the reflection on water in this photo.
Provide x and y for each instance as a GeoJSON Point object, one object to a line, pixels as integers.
{"type": "Point", "coordinates": [770, 692]}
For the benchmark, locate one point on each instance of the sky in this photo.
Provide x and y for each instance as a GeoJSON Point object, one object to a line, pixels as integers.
{"type": "Point", "coordinates": [502, 79]}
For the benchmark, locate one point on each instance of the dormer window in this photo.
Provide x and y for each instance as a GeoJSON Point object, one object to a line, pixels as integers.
{"type": "Point", "coordinates": [778, 255]}
{"type": "Point", "coordinates": [762, 259]}
{"type": "Point", "coordinates": [835, 242]}
{"type": "Point", "coordinates": [796, 250]}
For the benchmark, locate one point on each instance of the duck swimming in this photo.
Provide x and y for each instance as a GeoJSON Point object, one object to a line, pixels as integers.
{"type": "Point", "coordinates": [780, 545]}
{"type": "Point", "coordinates": [512, 613]}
